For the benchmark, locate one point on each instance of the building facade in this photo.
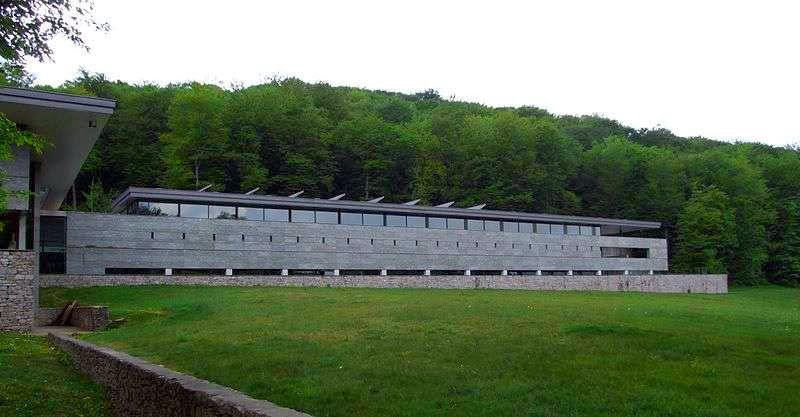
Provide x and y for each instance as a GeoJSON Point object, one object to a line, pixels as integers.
{"type": "Point", "coordinates": [159, 231]}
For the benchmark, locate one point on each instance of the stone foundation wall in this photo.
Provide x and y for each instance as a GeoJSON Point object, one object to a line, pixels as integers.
{"type": "Point", "coordinates": [633, 283]}
{"type": "Point", "coordinates": [136, 388]}
{"type": "Point", "coordinates": [18, 288]}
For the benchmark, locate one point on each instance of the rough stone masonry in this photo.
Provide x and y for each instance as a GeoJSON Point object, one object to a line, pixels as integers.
{"type": "Point", "coordinates": [17, 290]}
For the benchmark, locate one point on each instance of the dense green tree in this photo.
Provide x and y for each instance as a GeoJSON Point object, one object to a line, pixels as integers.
{"type": "Point", "coordinates": [784, 264]}
{"type": "Point", "coordinates": [707, 236]}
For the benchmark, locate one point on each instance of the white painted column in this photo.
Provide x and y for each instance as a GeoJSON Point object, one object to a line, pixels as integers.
{"type": "Point", "coordinates": [336, 272]}
{"type": "Point", "coordinates": [650, 272]}
{"type": "Point", "coordinates": [599, 273]}
{"type": "Point", "coordinates": [569, 272]}
{"type": "Point", "coordinates": [383, 272]}
{"type": "Point", "coordinates": [427, 272]}
{"type": "Point", "coordinates": [468, 272]}
{"type": "Point", "coordinates": [626, 272]}
{"type": "Point", "coordinates": [229, 272]}
{"type": "Point", "coordinates": [538, 272]}
{"type": "Point", "coordinates": [23, 230]}
{"type": "Point", "coordinates": [504, 272]}
{"type": "Point", "coordinates": [284, 272]}
{"type": "Point", "coordinates": [168, 271]}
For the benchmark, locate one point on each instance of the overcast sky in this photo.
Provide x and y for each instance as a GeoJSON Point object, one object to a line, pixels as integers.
{"type": "Point", "coordinates": [721, 69]}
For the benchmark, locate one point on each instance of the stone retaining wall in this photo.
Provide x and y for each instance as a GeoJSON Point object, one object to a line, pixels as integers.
{"type": "Point", "coordinates": [17, 290]}
{"type": "Point", "coordinates": [136, 388]}
{"type": "Point", "coordinates": [89, 318]}
{"type": "Point", "coordinates": [633, 283]}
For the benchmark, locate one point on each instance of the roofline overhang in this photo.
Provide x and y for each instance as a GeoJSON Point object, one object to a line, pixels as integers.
{"type": "Point", "coordinates": [57, 100]}
{"type": "Point", "coordinates": [185, 196]}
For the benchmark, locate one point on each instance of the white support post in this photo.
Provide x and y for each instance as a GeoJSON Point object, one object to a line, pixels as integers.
{"type": "Point", "coordinates": [599, 272]}
{"type": "Point", "coordinates": [284, 272]}
{"type": "Point", "coordinates": [336, 272]}
{"type": "Point", "coordinates": [168, 271]}
{"type": "Point", "coordinates": [23, 229]}
{"type": "Point", "coordinates": [504, 272]}
{"type": "Point", "coordinates": [468, 272]}
{"type": "Point", "coordinates": [538, 272]}
{"type": "Point", "coordinates": [427, 272]}
{"type": "Point", "coordinates": [626, 272]}
{"type": "Point", "coordinates": [569, 272]}
{"type": "Point", "coordinates": [651, 272]}
{"type": "Point", "coordinates": [228, 272]}
{"type": "Point", "coordinates": [383, 272]}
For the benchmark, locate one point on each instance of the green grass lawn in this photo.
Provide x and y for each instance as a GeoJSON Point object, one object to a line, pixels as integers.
{"type": "Point", "coordinates": [373, 352]}
{"type": "Point", "coordinates": [38, 380]}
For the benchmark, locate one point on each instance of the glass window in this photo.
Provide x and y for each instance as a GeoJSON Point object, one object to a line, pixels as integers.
{"type": "Point", "coordinates": [511, 227]}
{"type": "Point", "coordinates": [352, 218]}
{"type": "Point", "coordinates": [163, 209]}
{"type": "Point", "coordinates": [276, 215]}
{"type": "Point", "coordinates": [221, 212]}
{"type": "Point", "coordinates": [328, 217]}
{"type": "Point", "coordinates": [492, 226]}
{"type": "Point", "coordinates": [395, 221]}
{"type": "Point", "coordinates": [573, 230]}
{"type": "Point", "coordinates": [302, 216]}
{"type": "Point", "coordinates": [475, 224]}
{"type": "Point", "coordinates": [373, 219]}
{"type": "Point", "coordinates": [457, 224]}
{"type": "Point", "coordinates": [543, 228]}
{"type": "Point", "coordinates": [251, 213]}
{"type": "Point", "coordinates": [526, 227]}
{"type": "Point", "coordinates": [194, 210]}
{"type": "Point", "coordinates": [556, 229]}
{"type": "Point", "coordinates": [437, 223]}
{"type": "Point", "coordinates": [415, 221]}
{"type": "Point", "coordinates": [586, 230]}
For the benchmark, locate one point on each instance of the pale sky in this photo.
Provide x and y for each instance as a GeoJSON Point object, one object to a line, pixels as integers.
{"type": "Point", "coordinates": [720, 69]}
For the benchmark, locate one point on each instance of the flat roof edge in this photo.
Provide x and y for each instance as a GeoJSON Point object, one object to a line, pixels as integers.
{"type": "Point", "coordinates": [38, 97]}
{"type": "Point", "coordinates": [188, 196]}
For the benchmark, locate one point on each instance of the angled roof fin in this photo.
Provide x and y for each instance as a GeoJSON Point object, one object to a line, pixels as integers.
{"type": "Point", "coordinates": [447, 204]}
{"type": "Point", "coordinates": [252, 191]}
{"type": "Point", "coordinates": [338, 197]}
{"type": "Point", "coordinates": [297, 194]}
{"type": "Point", "coordinates": [205, 188]}
{"type": "Point", "coordinates": [375, 200]}
{"type": "Point", "coordinates": [478, 207]}
{"type": "Point", "coordinates": [412, 202]}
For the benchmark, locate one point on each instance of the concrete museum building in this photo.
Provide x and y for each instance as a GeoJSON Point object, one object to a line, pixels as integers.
{"type": "Point", "coordinates": [157, 236]}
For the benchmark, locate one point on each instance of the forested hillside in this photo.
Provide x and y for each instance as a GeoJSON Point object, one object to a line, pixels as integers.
{"type": "Point", "coordinates": [727, 207]}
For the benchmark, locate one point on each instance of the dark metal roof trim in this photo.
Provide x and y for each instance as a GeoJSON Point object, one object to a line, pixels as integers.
{"type": "Point", "coordinates": [137, 193]}
{"type": "Point", "coordinates": [60, 100]}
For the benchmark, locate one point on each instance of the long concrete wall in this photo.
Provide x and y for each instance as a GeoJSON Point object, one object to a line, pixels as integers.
{"type": "Point", "coordinates": [711, 284]}
{"type": "Point", "coordinates": [136, 388]}
{"type": "Point", "coordinates": [99, 241]}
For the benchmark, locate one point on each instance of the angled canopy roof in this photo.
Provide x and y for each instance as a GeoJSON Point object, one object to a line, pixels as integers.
{"type": "Point", "coordinates": [70, 123]}
{"type": "Point", "coordinates": [160, 194]}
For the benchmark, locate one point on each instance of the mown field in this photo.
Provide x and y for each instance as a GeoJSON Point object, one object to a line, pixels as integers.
{"type": "Point", "coordinates": [37, 380]}
{"type": "Point", "coordinates": [372, 352]}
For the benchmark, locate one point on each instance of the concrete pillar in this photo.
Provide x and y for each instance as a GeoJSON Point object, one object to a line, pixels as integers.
{"type": "Point", "coordinates": [284, 272]}
{"type": "Point", "coordinates": [504, 272]}
{"type": "Point", "coordinates": [599, 273]}
{"type": "Point", "coordinates": [168, 271]}
{"type": "Point", "coordinates": [650, 272]}
{"type": "Point", "coordinates": [23, 230]}
{"type": "Point", "coordinates": [538, 272]}
{"type": "Point", "coordinates": [383, 272]}
{"type": "Point", "coordinates": [336, 272]}
{"type": "Point", "coordinates": [427, 272]}
{"type": "Point", "coordinates": [229, 272]}
{"type": "Point", "coordinates": [625, 272]}
{"type": "Point", "coordinates": [468, 272]}
{"type": "Point", "coordinates": [569, 272]}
